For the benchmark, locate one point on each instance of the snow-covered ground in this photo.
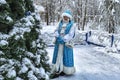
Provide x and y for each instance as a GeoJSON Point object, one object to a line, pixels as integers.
{"type": "Point", "coordinates": [92, 64]}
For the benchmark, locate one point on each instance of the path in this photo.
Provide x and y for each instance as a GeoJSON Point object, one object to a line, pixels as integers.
{"type": "Point", "coordinates": [92, 65]}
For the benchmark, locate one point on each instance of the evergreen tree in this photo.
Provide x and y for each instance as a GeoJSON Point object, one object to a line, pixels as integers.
{"type": "Point", "coordinates": [22, 50]}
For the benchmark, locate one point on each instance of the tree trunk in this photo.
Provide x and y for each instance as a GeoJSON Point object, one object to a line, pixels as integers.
{"type": "Point", "coordinates": [78, 13]}
{"type": "Point", "coordinates": [111, 25]}
{"type": "Point", "coordinates": [47, 15]}
{"type": "Point", "coordinates": [84, 15]}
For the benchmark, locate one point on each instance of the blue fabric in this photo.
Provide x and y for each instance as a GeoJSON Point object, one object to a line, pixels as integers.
{"type": "Point", "coordinates": [68, 60]}
{"type": "Point", "coordinates": [112, 40]}
{"type": "Point", "coordinates": [60, 40]}
{"type": "Point", "coordinates": [55, 53]}
{"type": "Point", "coordinates": [68, 57]}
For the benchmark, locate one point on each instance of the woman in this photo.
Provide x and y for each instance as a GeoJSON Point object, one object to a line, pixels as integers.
{"type": "Point", "coordinates": [63, 62]}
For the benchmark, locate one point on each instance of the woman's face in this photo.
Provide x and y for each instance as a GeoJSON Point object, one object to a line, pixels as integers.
{"type": "Point", "coordinates": [65, 18]}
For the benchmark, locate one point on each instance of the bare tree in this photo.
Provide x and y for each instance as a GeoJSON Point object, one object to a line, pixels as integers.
{"type": "Point", "coordinates": [84, 14]}
{"type": "Point", "coordinates": [79, 12]}
{"type": "Point", "coordinates": [108, 15]}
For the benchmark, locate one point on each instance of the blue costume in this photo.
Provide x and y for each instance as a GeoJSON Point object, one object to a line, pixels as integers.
{"type": "Point", "coordinates": [63, 60]}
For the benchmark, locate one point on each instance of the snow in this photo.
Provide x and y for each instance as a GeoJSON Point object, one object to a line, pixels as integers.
{"type": "Point", "coordinates": [9, 19]}
{"type": "Point", "coordinates": [18, 78]}
{"type": "Point", "coordinates": [39, 45]}
{"type": "Point", "coordinates": [1, 53]}
{"type": "Point", "coordinates": [105, 50]}
{"type": "Point", "coordinates": [19, 31]}
{"type": "Point", "coordinates": [33, 44]}
{"type": "Point", "coordinates": [42, 71]}
{"type": "Point", "coordinates": [29, 21]}
{"type": "Point", "coordinates": [4, 36]}
{"type": "Point", "coordinates": [39, 8]}
{"type": "Point", "coordinates": [38, 59]}
{"type": "Point", "coordinates": [1, 77]}
{"type": "Point", "coordinates": [11, 73]}
{"type": "Point", "coordinates": [51, 29]}
{"type": "Point", "coordinates": [31, 76]}
{"type": "Point", "coordinates": [2, 2]}
{"type": "Point", "coordinates": [92, 64]}
{"type": "Point", "coordinates": [117, 1]}
{"type": "Point", "coordinates": [29, 54]}
{"type": "Point", "coordinates": [113, 11]}
{"type": "Point", "coordinates": [26, 61]}
{"type": "Point", "coordinates": [3, 43]}
{"type": "Point", "coordinates": [37, 16]}
{"type": "Point", "coordinates": [24, 69]}
{"type": "Point", "coordinates": [11, 62]}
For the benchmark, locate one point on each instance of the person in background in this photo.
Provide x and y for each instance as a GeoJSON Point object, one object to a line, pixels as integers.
{"type": "Point", "coordinates": [63, 59]}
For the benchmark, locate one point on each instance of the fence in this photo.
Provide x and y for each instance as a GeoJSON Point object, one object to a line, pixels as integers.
{"type": "Point", "coordinates": [102, 39]}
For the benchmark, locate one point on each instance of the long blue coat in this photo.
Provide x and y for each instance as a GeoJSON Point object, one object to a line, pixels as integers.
{"type": "Point", "coordinates": [68, 60]}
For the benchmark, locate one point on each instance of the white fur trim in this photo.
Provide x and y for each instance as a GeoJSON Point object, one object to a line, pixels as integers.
{"type": "Point", "coordinates": [59, 61]}
{"type": "Point", "coordinates": [68, 70]}
{"type": "Point", "coordinates": [66, 14]}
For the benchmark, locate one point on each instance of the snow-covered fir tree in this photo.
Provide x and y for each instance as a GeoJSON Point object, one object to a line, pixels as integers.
{"type": "Point", "coordinates": [23, 54]}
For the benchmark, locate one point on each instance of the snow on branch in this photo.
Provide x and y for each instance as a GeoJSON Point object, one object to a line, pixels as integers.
{"type": "Point", "coordinates": [2, 2]}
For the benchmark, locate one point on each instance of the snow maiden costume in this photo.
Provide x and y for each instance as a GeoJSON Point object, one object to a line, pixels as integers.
{"type": "Point", "coordinates": [63, 51]}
